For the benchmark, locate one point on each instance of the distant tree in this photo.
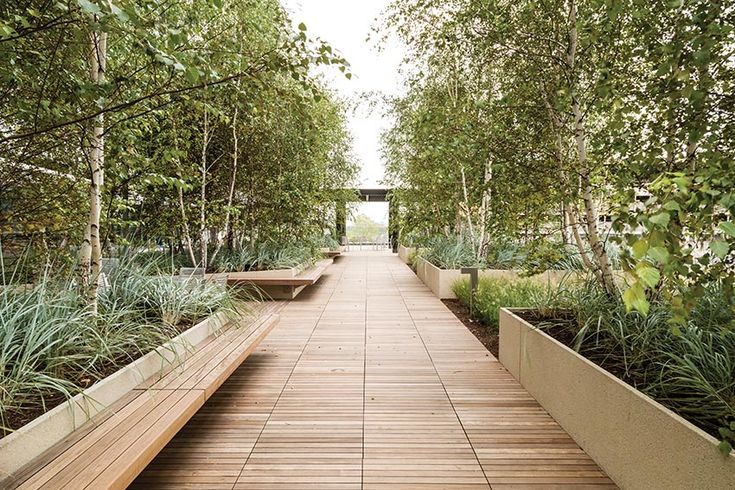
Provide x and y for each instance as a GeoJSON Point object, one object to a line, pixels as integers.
{"type": "Point", "coordinates": [365, 229]}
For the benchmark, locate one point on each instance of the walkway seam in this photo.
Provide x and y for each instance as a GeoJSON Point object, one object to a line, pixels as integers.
{"type": "Point", "coordinates": [451, 403]}
{"type": "Point", "coordinates": [290, 374]}
{"type": "Point", "coordinates": [364, 376]}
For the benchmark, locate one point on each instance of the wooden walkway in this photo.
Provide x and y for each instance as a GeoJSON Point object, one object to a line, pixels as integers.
{"type": "Point", "coordinates": [369, 382]}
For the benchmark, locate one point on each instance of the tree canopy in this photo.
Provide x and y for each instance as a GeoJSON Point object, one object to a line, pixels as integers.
{"type": "Point", "coordinates": [587, 120]}
{"type": "Point", "coordinates": [190, 124]}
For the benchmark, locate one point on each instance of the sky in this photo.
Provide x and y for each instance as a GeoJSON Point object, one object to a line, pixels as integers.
{"type": "Point", "coordinates": [346, 25]}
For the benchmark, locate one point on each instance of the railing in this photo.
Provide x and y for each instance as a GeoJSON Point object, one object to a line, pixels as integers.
{"type": "Point", "coordinates": [365, 245]}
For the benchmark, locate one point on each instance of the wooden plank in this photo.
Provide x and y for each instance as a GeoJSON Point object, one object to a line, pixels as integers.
{"type": "Point", "coordinates": [369, 381]}
{"type": "Point", "coordinates": [113, 452]}
{"type": "Point", "coordinates": [306, 278]}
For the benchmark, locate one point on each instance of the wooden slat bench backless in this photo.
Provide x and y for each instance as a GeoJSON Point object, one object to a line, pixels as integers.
{"type": "Point", "coordinates": [285, 286]}
{"type": "Point", "coordinates": [110, 450]}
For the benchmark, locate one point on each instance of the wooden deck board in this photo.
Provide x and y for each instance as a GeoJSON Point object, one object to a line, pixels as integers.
{"type": "Point", "coordinates": [370, 382]}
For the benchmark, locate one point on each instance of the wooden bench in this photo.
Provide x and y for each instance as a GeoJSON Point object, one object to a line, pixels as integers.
{"type": "Point", "coordinates": [332, 254]}
{"type": "Point", "coordinates": [113, 448]}
{"type": "Point", "coordinates": [285, 286]}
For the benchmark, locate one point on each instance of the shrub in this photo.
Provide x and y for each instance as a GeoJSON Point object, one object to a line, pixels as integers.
{"type": "Point", "coordinates": [493, 294]}
{"type": "Point", "coordinates": [689, 369]}
{"type": "Point", "coordinates": [51, 348]}
{"type": "Point", "coordinates": [450, 252]}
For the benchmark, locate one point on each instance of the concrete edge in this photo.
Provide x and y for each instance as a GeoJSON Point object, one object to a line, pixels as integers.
{"type": "Point", "coordinates": [25, 444]}
{"type": "Point", "coordinates": [636, 440]}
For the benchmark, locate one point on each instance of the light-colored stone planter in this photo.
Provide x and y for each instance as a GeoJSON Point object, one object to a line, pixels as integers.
{"type": "Point", "coordinates": [22, 446]}
{"type": "Point", "coordinates": [636, 440]}
{"type": "Point", "coordinates": [290, 272]}
{"type": "Point", "coordinates": [404, 253]}
{"type": "Point", "coordinates": [441, 281]}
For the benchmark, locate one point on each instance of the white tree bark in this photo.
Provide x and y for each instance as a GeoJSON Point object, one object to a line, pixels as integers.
{"type": "Point", "coordinates": [91, 250]}
{"type": "Point", "coordinates": [233, 180]}
{"type": "Point", "coordinates": [187, 232]}
{"type": "Point", "coordinates": [591, 219]}
{"type": "Point", "coordinates": [468, 211]}
{"type": "Point", "coordinates": [485, 209]}
{"type": "Point", "coordinates": [203, 196]}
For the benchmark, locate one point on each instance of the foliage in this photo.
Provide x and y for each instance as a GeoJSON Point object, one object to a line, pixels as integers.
{"type": "Point", "coordinates": [449, 252]}
{"type": "Point", "coordinates": [328, 241]}
{"type": "Point", "coordinates": [51, 348]}
{"type": "Point", "coordinates": [215, 133]}
{"type": "Point", "coordinates": [691, 371]}
{"type": "Point", "coordinates": [364, 229]}
{"type": "Point", "coordinates": [494, 294]}
{"type": "Point", "coordinates": [528, 120]}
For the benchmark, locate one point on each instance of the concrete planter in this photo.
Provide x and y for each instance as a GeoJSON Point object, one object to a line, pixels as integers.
{"type": "Point", "coordinates": [28, 442]}
{"type": "Point", "coordinates": [404, 253]}
{"type": "Point", "coordinates": [441, 281]}
{"type": "Point", "coordinates": [636, 440]}
{"type": "Point", "coordinates": [290, 272]}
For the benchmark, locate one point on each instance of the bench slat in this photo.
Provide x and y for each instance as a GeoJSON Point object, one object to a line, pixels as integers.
{"type": "Point", "coordinates": [111, 432]}
{"type": "Point", "coordinates": [218, 358]}
{"type": "Point", "coordinates": [306, 278]}
{"type": "Point", "coordinates": [133, 460]}
{"type": "Point", "coordinates": [120, 445]}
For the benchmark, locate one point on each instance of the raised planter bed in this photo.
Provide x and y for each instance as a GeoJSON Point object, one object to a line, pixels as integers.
{"type": "Point", "coordinates": [639, 443]}
{"type": "Point", "coordinates": [22, 446]}
{"type": "Point", "coordinates": [404, 253]}
{"type": "Point", "coordinates": [441, 281]}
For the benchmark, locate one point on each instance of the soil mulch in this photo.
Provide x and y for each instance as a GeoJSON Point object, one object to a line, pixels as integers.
{"type": "Point", "coordinates": [485, 334]}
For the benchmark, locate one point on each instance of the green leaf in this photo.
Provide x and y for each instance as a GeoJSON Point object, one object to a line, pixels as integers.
{"type": "Point", "coordinates": [640, 248]}
{"type": "Point", "coordinates": [648, 275]}
{"type": "Point", "coordinates": [725, 447]}
{"type": "Point", "coordinates": [672, 206]}
{"type": "Point", "coordinates": [635, 299]}
{"type": "Point", "coordinates": [89, 7]}
{"type": "Point", "coordinates": [121, 15]}
{"type": "Point", "coordinates": [728, 227]}
{"type": "Point", "coordinates": [191, 74]}
{"type": "Point", "coordinates": [659, 254]}
{"type": "Point", "coordinates": [661, 219]}
{"type": "Point", "coordinates": [720, 248]}
{"type": "Point", "coordinates": [302, 27]}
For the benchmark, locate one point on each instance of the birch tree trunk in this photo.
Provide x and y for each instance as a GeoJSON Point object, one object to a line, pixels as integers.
{"type": "Point", "coordinates": [91, 250]}
{"type": "Point", "coordinates": [467, 210]}
{"type": "Point", "coordinates": [233, 179]}
{"type": "Point", "coordinates": [203, 195]}
{"type": "Point", "coordinates": [485, 209]}
{"type": "Point", "coordinates": [590, 211]}
{"type": "Point", "coordinates": [187, 233]}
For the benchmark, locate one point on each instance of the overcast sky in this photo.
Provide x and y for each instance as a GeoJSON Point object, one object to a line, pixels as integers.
{"type": "Point", "coordinates": [346, 25]}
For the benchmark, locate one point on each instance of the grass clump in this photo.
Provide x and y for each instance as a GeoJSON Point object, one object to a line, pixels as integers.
{"type": "Point", "coordinates": [494, 294]}
{"type": "Point", "coordinates": [51, 347]}
{"type": "Point", "coordinates": [689, 369]}
{"type": "Point", "coordinates": [450, 252]}
{"type": "Point", "coordinates": [267, 255]}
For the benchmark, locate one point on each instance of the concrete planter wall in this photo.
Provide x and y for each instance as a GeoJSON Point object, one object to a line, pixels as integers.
{"type": "Point", "coordinates": [290, 272]}
{"type": "Point", "coordinates": [404, 253]}
{"type": "Point", "coordinates": [20, 447]}
{"type": "Point", "coordinates": [441, 281]}
{"type": "Point", "coordinates": [637, 441]}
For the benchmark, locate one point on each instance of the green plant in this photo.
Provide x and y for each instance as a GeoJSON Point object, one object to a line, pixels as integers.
{"type": "Point", "coordinates": [328, 241]}
{"type": "Point", "coordinates": [691, 371]}
{"type": "Point", "coordinates": [494, 294]}
{"type": "Point", "coordinates": [51, 347]}
{"type": "Point", "coordinates": [449, 252]}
